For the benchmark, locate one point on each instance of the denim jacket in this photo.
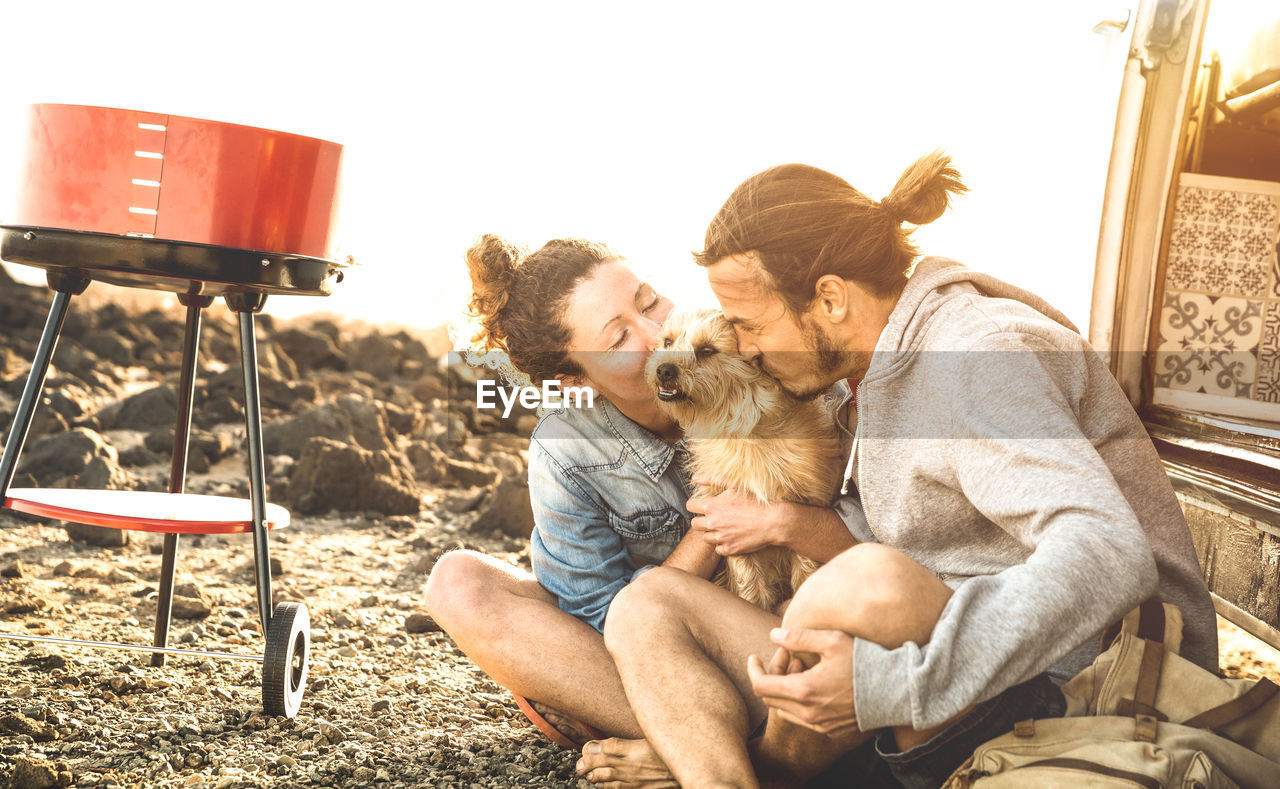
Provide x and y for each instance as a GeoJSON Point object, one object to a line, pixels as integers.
{"type": "Point", "coordinates": [609, 500]}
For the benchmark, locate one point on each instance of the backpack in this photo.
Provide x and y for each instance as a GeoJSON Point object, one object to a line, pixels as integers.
{"type": "Point", "coordinates": [1141, 716]}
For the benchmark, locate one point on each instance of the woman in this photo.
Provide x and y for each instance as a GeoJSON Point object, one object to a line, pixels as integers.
{"type": "Point", "coordinates": [608, 497]}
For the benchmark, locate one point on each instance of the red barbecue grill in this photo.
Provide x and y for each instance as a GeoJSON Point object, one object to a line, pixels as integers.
{"type": "Point", "coordinates": [201, 209]}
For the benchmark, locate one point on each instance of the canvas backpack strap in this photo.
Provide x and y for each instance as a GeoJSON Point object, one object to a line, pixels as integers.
{"type": "Point", "coordinates": [1224, 714]}
{"type": "Point", "coordinates": [1144, 693]}
{"type": "Point", "coordinates": [1151, 624]}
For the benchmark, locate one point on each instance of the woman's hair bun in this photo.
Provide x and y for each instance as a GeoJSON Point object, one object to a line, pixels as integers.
{"type": "Point", "coordinates": [924, 190]}
{"type": "Point", "coordinates": [492, 262]}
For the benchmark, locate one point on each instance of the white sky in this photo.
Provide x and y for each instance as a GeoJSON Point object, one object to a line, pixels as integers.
{"type": "Point", "coordinates": [624, 123]}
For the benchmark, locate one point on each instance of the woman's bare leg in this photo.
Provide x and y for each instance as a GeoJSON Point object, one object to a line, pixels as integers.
{"type": "Point", "coordinates": [512, 629]}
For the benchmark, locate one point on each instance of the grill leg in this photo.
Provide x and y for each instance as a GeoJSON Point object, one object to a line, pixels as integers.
{"type": "Point", "coordinates": [64, 288]}
{"type": "Point", "coordinates": [178, 466]}
{"type": "Point", "coordinates": [257, 470]}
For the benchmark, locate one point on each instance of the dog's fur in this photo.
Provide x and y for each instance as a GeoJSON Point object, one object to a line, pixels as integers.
{"type": "Point", "coordinates": [745, 432]}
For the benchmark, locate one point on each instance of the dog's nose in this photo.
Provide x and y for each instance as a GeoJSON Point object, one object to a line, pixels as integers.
{"type": "Point", "coordinates": [667, 372]}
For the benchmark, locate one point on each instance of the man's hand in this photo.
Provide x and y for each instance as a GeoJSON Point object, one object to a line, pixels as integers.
{"type": "Point", "coordinates": [809, 681]}
{"type": "Point", "coordinates": [736, 522]}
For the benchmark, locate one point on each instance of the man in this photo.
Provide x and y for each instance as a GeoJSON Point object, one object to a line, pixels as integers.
{"type": "Point", "coordinates": [1014, 508]}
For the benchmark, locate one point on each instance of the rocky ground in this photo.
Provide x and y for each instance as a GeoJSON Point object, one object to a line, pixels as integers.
{"type": "Point", "coordinates": [383, 471]}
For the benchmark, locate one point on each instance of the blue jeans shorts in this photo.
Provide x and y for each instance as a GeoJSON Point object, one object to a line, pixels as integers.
{"type": "Point", "coordinates": [879, 764]}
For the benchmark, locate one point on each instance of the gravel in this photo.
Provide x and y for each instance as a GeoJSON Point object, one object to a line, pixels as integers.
{"type": "Point", "coordinates": [386, 705]}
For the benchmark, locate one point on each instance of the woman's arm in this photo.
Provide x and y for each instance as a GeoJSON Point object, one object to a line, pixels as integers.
{"type": "Point", "coordinates": [694, 555]}
{"type": "Point", "coordinates": [575, 555]}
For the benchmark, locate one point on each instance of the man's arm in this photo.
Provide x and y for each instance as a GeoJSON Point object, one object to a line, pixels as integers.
{"type": "Point", "coordinates": [1024, 464]}
{"type": "Point", "coordinates": [735, 523]}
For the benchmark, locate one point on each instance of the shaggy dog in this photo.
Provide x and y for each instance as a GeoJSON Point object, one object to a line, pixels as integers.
{"type": "Point", "coordinates": [745, 432]}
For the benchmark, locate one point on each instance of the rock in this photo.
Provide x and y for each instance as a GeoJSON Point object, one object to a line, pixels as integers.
{"type": "Point", "coordinates": [117, 576]}
{"type": "Point", "coordinates": [424, 563]}
{"type": "Point", "coordinates": [288, 435]}
{"type": "Point", "coordinates": [420, 622]}
{"type": "Point", "coordinates": [460, 501]}
{"type": "Point", "coordinates": [96, 535]}
{"type": "Point", "coordinates": [156, 407]}
{"type": "Point", "coordinates": [381, 705]}
{"type": "Point", "coordinates": [21, 602]}
{"type": "Point", "coordinates": [204, 448]}
{"type": "Point", "coordinates": [430, 463]}
{"type": "Point", "coordinates": [30, 772]}
{"type": "Point", "coordinates": [21, 724]}
{"type": "Point", "coordinates": [430, 387]}
{"type": "Point", "coordinates": [508, 465]}
{"type": "Point", "coordinates": [310, 349]}
{"type": "Point", "coordinates": [333, 475]}
{"type": "Point", "coordinates": [368, 422]}
{"type": "Point", "coordinates": [507, 509]}
{"type": "Point", "coordinates": [138, 455]}
{"type": "Point", "coordinates": [111, 346]}
{"type": "Point", "coordinates": [46, 423]}
{"type": "Point", "coordinates": [525, 424]}
{"type": "Point", "coordinates": [190, 601]}
{"type": "Point", "coordinates": [467, 474]}
{"type": "Point", "coordinates": [64, 569]}
{"type": "Point", "coordinates": [15, 569]}
{"type": "Point", "coordinates": [349, 419]}
{"type": "Point", "coordinates": [272, 357]}
{"type": "Point", "coordinates": [273, 391]}
{"type": "Point", "coordinates": [219, 410]}
{"type": "Point", "coordinates": [376, 354]}
{"type": "Point", "coordinates": [404, 421]}
{"type": "Point", "coordinates": [65, 454]}
{"type": "Point", "coordinates": [348, 651]}
{"type": "Point", "coordinates": [103, 474]}
{"type": "Point", "coordinates": [70, 400]}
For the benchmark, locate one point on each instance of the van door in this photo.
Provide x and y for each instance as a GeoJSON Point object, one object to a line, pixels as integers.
{"type": "Point", "coordinates": [1186, 300]}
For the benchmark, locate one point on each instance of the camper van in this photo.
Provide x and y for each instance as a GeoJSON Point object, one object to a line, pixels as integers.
{"type": "Point", "coordinates": [1186, 297]}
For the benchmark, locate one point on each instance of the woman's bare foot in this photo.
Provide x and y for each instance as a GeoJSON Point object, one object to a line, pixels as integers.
{"type": "Point", "coordinates": [570, 728]}
{"type": "Point", "coordinates": [624, 764]}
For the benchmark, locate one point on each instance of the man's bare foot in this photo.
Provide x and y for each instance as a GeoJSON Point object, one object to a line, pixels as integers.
{"type": "Point", "coordinates": [789, 755]}
{"type": "Point", "coordinates": [624, 764]}
{"type": "Point", "coordinates": [570, 728]}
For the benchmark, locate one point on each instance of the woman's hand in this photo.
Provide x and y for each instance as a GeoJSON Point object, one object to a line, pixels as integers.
{"type": "Point", "coordinates": [736, 522]}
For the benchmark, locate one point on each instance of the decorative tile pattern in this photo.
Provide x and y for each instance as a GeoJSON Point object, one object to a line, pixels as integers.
{"type": "Point", "coordinates": [1220, 312]}
{"type": "Point", "coordinates": [1208, 344]}
{"type": "Point", "coordinates": [1223, 241]}
{"type": "Point", "coordinates": [1268, 389]}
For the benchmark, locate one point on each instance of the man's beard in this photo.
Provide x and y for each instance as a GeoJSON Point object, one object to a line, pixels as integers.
{"type": "Point", "coordinates": [828, 357]}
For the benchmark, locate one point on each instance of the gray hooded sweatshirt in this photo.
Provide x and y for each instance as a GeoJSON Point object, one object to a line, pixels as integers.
{"type": "Point", "coordinates": [994, 447]}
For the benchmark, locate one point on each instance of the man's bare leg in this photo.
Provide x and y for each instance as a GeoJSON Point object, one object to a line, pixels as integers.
{"type": "Point", "coordinates": [681, 647]}
{"type": "Point", "coordinates": [869, 591]}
